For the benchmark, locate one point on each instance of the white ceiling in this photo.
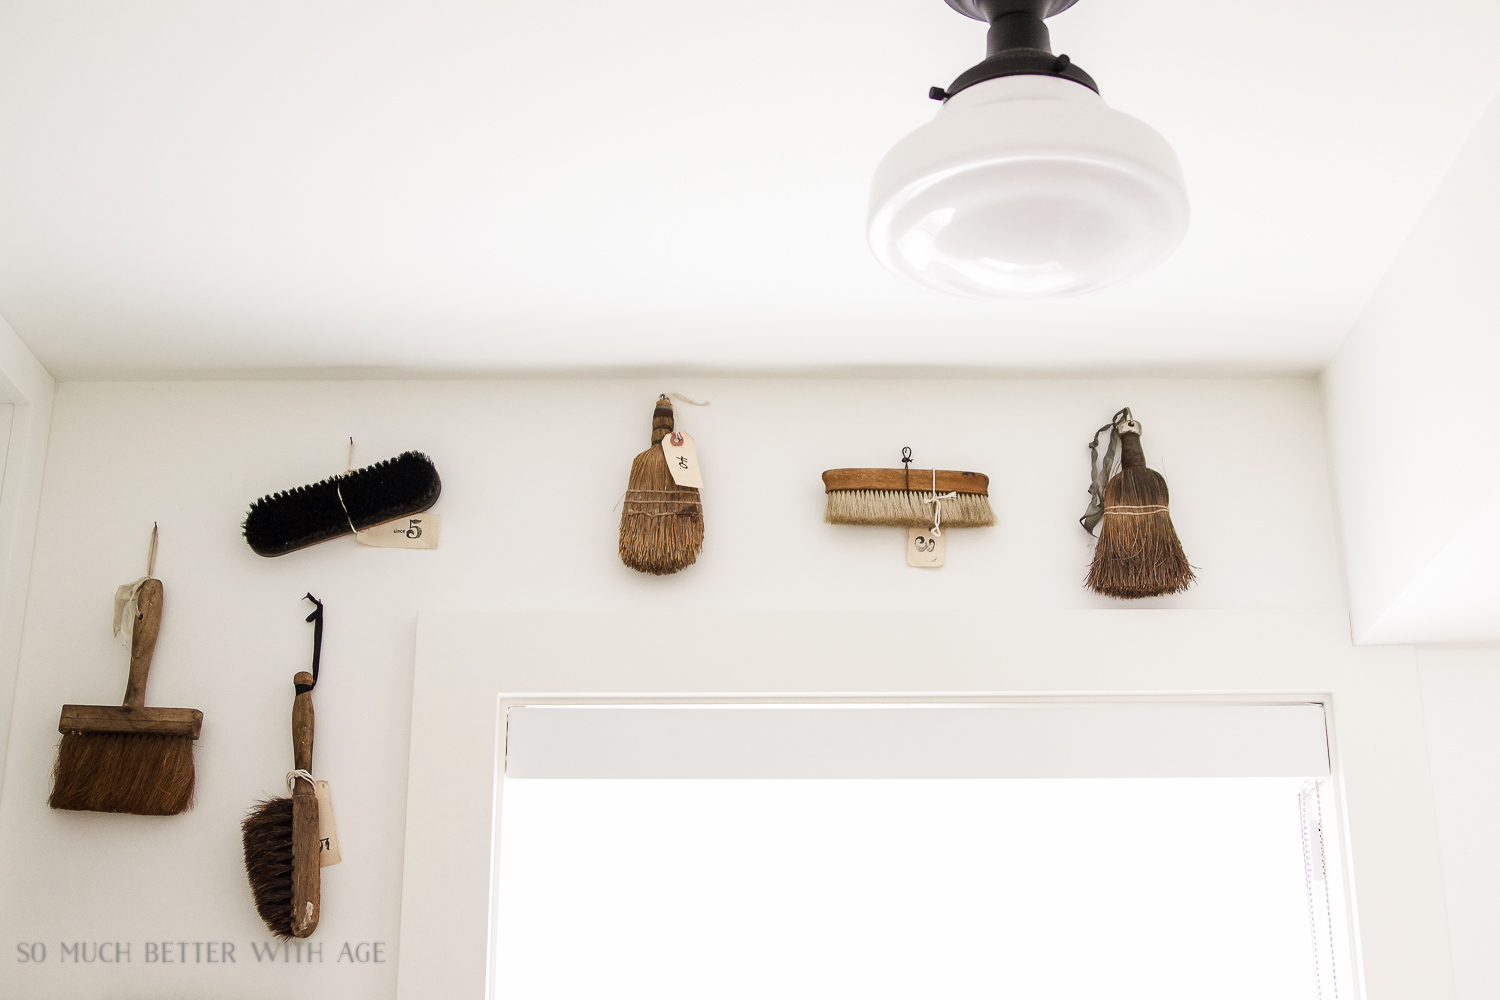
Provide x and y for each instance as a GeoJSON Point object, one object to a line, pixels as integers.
{"type": "Point", "coordinates": [191, 188]}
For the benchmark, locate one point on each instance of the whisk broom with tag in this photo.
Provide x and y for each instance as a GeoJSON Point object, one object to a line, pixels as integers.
{"type": "Point", "coordinates": [661, 527]}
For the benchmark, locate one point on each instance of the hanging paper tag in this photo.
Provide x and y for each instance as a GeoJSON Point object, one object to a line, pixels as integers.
{"type": "Point", "coordinates": [682, 459]}
{"type": "Point", "coordinates": [127, 606]}
{"type": "Point", "coordinates": [419, 531]}
{"type": "Point", "coordinates": [924, 549]}
{"type": "Point", "coordinates": [328, 832]}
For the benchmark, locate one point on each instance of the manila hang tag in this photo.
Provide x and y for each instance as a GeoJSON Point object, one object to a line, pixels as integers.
{"type": "Point", "coordinates": [328, 831]}
{"type": "Point", "coordinates": [682, 459]}
{"type": "Point", "coordinates": [418, 531]}
{"type": "Point", "coordinates": [924, 549]}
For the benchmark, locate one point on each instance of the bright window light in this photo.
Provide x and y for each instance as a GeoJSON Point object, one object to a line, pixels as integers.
{"type": "Point", "coordinates": [1035, 888]}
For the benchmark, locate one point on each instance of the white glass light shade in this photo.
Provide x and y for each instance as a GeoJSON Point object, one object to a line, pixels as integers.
{"type": "Point", "coordinates": [1027, 187]}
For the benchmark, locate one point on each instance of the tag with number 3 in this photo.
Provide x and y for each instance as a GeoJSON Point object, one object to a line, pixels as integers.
{"type": "Point", "coordinates": [682, 459]}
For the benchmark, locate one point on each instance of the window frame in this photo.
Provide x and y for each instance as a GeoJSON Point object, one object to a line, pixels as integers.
{"type": "Point", "coordinates": [465, 683]}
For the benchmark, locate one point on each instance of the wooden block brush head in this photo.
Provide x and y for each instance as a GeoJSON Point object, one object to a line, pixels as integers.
{"type": "Point", "coordinates": [901, 498]}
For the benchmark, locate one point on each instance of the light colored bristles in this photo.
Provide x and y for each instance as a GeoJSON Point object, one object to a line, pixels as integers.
{"type": "Point", "coordinates": [906, 509]}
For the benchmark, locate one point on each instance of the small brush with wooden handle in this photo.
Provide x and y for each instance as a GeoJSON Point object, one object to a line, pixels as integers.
{"type": "Point", "coordinates": [281, 834]}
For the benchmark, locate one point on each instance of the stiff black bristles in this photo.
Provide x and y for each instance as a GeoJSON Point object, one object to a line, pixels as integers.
{"type": "Point", "coordinates": [267, 831]}
{"type": "Point", "coordinates": [146, 774]}
{"type": "Point", "coordinates": [283, 522]}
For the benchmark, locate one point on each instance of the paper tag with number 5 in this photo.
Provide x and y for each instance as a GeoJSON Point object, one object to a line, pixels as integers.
{"type": "Point", "coordinates": [682, 459]}
{"type": "Point", "coordinates": [419, 531]}
{"type": "Point", "coordinates": [924, 549]}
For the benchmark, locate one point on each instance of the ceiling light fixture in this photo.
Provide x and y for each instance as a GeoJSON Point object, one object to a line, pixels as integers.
{"type": "Point", "coordinates": [1026, 185]}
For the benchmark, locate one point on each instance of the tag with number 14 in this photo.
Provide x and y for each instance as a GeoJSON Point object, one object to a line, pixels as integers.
{"type": "Point", "coordinates": [682, 459]}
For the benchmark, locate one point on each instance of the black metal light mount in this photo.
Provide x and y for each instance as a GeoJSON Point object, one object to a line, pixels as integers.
{"type": "Point", "coordinates": [1018, 44]}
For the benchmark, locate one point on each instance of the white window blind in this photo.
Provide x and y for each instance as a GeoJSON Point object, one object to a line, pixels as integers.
{"type": "Point", "coordinates": [916, 741]}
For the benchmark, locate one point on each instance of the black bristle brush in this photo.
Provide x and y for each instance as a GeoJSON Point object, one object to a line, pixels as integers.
{"type": "Point", "coordinates": [281, 834]}
{"type": "Point", "coordinates": [1138, 553]}
{"type": "Point", "coordinates": [284, 522]}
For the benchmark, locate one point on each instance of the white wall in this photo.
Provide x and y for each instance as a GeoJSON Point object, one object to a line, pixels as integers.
{"type": "Point", "coordinates": [1411, 409]}
{"type": "Point", "coordinates": [531, 471]}
{"type": "Point", "coordinates": [26, 388]}
{"type": "Point", "coordinates": [1461, 698]}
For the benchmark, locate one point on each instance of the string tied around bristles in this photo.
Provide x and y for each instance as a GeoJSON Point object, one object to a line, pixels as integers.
{"type": "Point", "coordinates": [1100, 471]}
{"type": "Point", "coordinates": [937, 506]}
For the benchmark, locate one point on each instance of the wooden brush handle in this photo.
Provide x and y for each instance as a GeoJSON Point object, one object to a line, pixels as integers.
{"type": "Point", "coordinates": [661, 420]}
{"type": "Point", "coordinates": [143, 641]}
{"type": "Point", "coordinates": [917, 480]}
{"type": "Point", "coordinates": [302, 723]}
{"type": "Point", "coordinates": [305, 880]}
{"type": "Point", "coordinates": [1131, 455]}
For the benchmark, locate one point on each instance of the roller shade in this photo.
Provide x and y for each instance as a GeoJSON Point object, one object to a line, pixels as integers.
{"type": "Point", "coordinates": [916, 741]}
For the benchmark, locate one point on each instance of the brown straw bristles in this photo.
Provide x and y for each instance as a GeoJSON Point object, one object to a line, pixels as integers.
{"type": "Point", "coordinates": [147, 774]}
{"type": "Point", "coordinates": [267, 831]}
{"type": "Point", "coordinates": [661, 528]}
{"type": "Point", "coordinates": [1138, 553]}
{"type": "Point", "coordinates": [906, 509]}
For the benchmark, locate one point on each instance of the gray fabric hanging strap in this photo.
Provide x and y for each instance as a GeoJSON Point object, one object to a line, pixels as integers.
{"type": "Point", "coordinates": [1101, 470]}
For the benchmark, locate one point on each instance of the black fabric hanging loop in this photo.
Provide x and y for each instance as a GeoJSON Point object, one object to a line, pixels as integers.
{"type": "Point", "coordinates": [1099, 472]}
{"type": "Point", "coordinates": [317, 619]}
{"type": "Point", "coordinates": [906, 461]}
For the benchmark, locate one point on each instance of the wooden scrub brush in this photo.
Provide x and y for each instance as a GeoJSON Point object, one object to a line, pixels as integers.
{"type": "Point", "coordinates": [1138, 553]}
{"type": "Point", "coordinates": [281, 834]}
{"type": "Point", "coordinates": [398, 487]}
{"type": "Point", "coordinates": [903, 498]}
{"type": "Point", "coordinates": [661, 528]}
{"type": "Point", "coordinates": [129, 759]}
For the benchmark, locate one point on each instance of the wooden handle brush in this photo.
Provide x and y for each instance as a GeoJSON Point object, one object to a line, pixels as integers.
{"type": "Point", "coordinates": [661, 528]}
{"type": "Point", "coordinates": [898, 497]}
{"type": "Point", "coordinates": [1138, 553]}
{"type": "Point", "coordinates": [305, 877]}
{"type": "Point", "coordinates": [281, 834]}
{"type": "Point", "coordinates": [129, 759]}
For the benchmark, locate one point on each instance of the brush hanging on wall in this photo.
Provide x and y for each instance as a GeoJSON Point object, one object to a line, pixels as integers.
{"type": "Point", "coordinates": [129, 758]}
{"type": "Point", "coordinates": [287, 840]}
{"type": "Point", "coordinates": [1138, 553]}
{"type": "Point", "coordinates": [348, 504]}
{"type": "Point", "coordinates": [924, 501]}
{"type": "Point", "coordinates": [661, 528]}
